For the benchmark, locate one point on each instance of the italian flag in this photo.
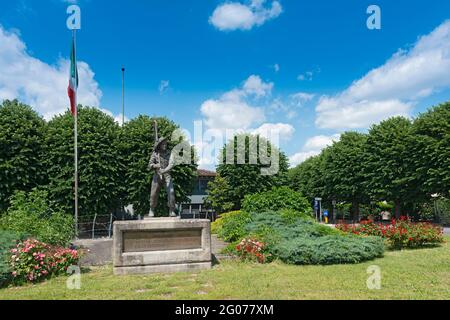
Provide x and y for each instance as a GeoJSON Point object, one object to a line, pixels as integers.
{"type": "Point", "coordinates": [73, 81]}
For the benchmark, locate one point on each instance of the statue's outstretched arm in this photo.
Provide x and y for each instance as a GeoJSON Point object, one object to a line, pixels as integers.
{"type": "Point", "coordinates": [153, 164]}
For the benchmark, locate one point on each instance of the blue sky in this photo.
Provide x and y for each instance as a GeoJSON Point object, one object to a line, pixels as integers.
{"type": "Point", "coordinates": [249, 65]}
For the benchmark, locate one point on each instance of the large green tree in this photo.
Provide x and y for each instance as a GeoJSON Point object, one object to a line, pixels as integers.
{"type": "Point", "coordinates": [387, 168]}
{"type": "Point", "coordinates": [308, 178]}
{"type": "Point", "coordinates": [137, 143]}
{"type": "Point", "coordinates": [246, 168]}
{"type": "Point", "coordinates": [430, 150]}
{"type": "Point", "coordinates": [99, 161]}
{"type": "Point", "coordinates": [344, 170]}
{"type": "Point", "coordinates": [21, 150]}
{"type": "Point", "coordinates": [219, 195]}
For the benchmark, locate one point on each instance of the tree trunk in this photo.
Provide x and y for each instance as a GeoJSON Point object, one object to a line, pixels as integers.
{"type": "Point", "coordinates": [356, 212]}
{"type": "Point", "coordinates": [398, 210]}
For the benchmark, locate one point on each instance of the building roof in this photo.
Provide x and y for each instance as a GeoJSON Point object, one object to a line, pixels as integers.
{"type": "Point", "coordinates": [206, 173]}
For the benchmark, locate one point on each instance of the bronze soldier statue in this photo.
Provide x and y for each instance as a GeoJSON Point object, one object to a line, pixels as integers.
{"type": "Point", "coordinates": [162, 162]}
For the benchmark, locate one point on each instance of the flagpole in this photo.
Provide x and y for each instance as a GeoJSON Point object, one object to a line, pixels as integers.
{"type": "Point", "coordinates": [123, 96]}
{"type": "Point", "coordinates": [76, 145]}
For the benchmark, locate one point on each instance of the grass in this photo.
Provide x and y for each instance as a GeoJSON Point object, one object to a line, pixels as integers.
{"type": "Point", "coordinates": [410, 274]}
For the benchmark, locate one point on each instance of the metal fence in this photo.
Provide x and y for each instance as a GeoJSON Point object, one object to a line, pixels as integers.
{"type": "Point", "coordinates": [100, 226]}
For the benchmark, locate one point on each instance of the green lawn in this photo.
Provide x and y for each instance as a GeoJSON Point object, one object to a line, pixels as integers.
{"type": "Point", "coordinates": [413, 274]}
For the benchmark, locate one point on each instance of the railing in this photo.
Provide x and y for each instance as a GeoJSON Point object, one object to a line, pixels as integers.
{"type": "Point", "coordinates": [100, 226]}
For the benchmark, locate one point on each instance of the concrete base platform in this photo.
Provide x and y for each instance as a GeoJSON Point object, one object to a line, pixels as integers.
{"type": "Point", "coordinates": [170, 268]}
{"type": "Point", "coordinates": [161, 245]}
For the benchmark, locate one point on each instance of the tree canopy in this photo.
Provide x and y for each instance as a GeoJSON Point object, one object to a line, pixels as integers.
{"type": "Point", "coordinates": [387, 169]}
{"type": "Point", "coordinates": [343, 170]}
{"type": "Point", "coordinates": [400, 161]}
{"type": "Point", "coordinates": [248, 164]}
{"type": "Point", "coordinates": [430, 150]}
{"type": "Point", "coordinates": [21, 150]}
{"type": "Point", "coordinates": [100, 162]}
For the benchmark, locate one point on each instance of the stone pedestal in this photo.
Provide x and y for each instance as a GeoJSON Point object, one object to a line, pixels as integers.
{"type": "Point", "coordinates": [161, 245]}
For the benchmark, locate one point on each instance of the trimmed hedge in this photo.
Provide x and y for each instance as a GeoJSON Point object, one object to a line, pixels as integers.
{"type": "Point", "coordinates": [275, 200]}
{"type": "Point", "coordinates": [21, 150]}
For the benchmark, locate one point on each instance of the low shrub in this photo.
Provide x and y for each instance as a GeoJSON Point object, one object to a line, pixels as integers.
{"type": "Point", "coordinates": [231, 226]}
{"type": "Point", "coordinates": [302, 241]}
{"type": "Point", "coordinates": [253, 250]}
{"type": "Point", "coordinates": [33, 261]}
{"type": "Point", "coordinates": [399, 233]}
{"type": "Point", "coordinates": [277, 199]}
{"type": "Point", "coordinates": [8, 240]}
{"type": "Point", "coordinates": [32, 214]}
{"type": "Point", "coordinates": [328, 250]}
{"type": "Point", "coordinates": [273, 224]}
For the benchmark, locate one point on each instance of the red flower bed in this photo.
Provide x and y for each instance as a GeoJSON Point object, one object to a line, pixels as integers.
{"type": "Point", "coordinates": [399, 233]}
{"type": "Point", "coordinates": [252, 250]}
{"type": "Point", "coordinates": [32, 261]}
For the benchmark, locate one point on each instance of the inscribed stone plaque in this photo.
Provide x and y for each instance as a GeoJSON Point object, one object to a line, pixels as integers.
{"type": "Point", "coordinates": [162, 240]}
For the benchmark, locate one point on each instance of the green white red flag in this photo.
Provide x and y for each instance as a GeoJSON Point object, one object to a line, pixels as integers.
{"type": "Point", "coordinates": [73, 81]}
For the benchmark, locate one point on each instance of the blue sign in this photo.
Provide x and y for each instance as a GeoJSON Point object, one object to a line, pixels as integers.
{"type": "Point", "coordinates": [316, 205]}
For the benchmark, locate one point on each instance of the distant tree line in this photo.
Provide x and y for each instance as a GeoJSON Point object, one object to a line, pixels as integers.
{"type": "Point", "coordinates": [404, 162]}
{"type": "Point", "coordinates": [112, 159]}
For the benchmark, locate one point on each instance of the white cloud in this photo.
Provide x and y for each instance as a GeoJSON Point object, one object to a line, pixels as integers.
{"type": "Point", "coordinates": [255, 86]}
{"type": "Point", "coordinates": [393, 88]}
{"type": "Point", "coordinates": [226, 113]}
{"type": "Point", "coordinates": [312, 148]}
{"type": "Point", "coordinates": [164, 85]}
{"type": "Point", "coordinates": [235, 15]}
{"type": "Point", "coordinates": [307, 76]}
{"type": "Point", "coordinates": [233, 110]}
{"type": "Point", "coordinates": [276, 67]}
{"type": "Point", "coordinates": [280, 131]}
{"type": "Point", "coordinates": [300, 98]}
{"type": "Point", "coordinates": [117, 118]}
{"type": "Point", "coordinates": [301, 157]}
{"type": "Point", "coordinates": [319, 143]}
{"type": "Point", "coordinates": [39, 84]}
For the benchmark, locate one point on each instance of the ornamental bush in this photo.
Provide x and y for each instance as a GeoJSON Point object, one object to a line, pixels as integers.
{"type": "Point", "coordinates": [275, 200]}
{"type": "Point", "coordinates": [231, 226]}
{"type": "Point", "coordinates": [328, 250]}
{"type": "Point", "coordinates": [34, 261]}
{"type": "Point", "coordinates": [8, 240]}
{"type": "Point", "coordinates": [301, 241]}
{"type": "Point", "coordinates": [32, 214]}
{"type": "Point", "coordinates": [253, 250]}
{"type": "Point", "coordinates": [399, 233]}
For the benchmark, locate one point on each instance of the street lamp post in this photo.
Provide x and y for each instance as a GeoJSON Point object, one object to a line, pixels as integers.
{"type": "Point", "coordinates": [436, 209]}
{"type": "Point", "coordinates": [334, 211]}
{"type": "Point", "coordinates": [318, 208]}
